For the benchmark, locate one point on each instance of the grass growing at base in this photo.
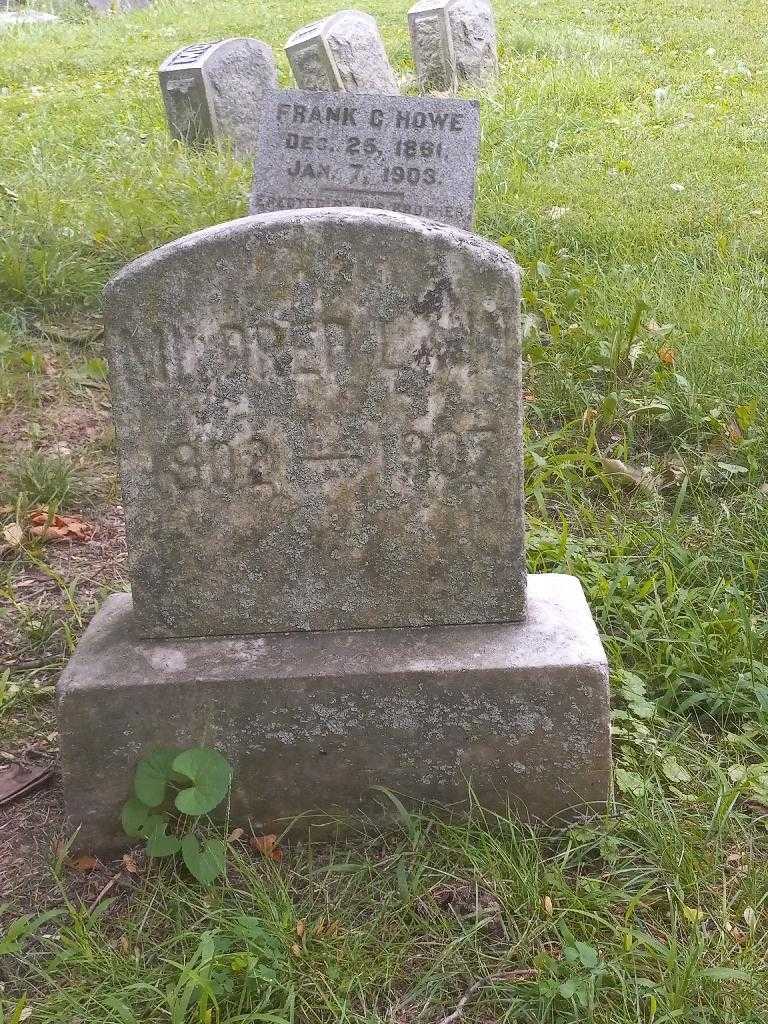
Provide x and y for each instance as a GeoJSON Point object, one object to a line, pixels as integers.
{"type": "Point", "coordinates": [623, 163]}
{"type": "Point", "coordinates": [650, 915]}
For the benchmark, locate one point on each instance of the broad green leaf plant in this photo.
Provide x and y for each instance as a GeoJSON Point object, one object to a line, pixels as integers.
{"type": "Point", "coordinates": [172, 791]}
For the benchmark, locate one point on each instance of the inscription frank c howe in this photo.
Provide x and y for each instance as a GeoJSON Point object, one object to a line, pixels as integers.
{"type": "Point", "coordinates": [318, 416]}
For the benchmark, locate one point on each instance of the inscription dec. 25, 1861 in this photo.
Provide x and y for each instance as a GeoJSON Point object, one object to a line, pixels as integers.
{"type": "Point", "coordinates": [318, 416]}
{"type": "Point", "coordinates": [415, 156]}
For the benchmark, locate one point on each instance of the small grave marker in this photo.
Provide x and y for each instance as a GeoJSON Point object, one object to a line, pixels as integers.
{"type": "Point", "coordinates": [215, 90]}
{"type": "Point", "coordinates": [341, 53]}
{"type": "Point", "coordinates": [409, 155]}
{"type": "Point", "coordinates": [453, 41]}
{"type": "Point", "coordinates": [118, 6]}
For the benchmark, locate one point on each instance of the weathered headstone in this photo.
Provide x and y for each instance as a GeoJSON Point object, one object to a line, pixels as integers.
{"type": "Point", "coordinates": [215, 90]}
{"type": "Point", "coordinates": [453, 41]}
{"type": "Point", "coordinates": [118, 6]}
{"type": "Point", "coordinates": [343, 387]}
{"type": "Point", "coordinates": [341, 53]}
{"type": "Point", "coordinates": [416, 156]}
{"type": "Point", "coordinates": [9, 18]}
{"type": "Point", "coordinates": [319, 422]}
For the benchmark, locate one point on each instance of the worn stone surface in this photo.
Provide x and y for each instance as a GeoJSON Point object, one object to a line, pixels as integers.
{"type": "Point", "coordinates": [453, 41]}
{"type": "Point", "coordinates": [25, 17]}
{"type": "Point", "coordinates": [416, 156]}
{"type": "Point", "coordinates": [311, 722]}
{"type": "Point", "coordinates": [215, 91]}
{"type": "Point", "coordinates": [118, 6]}
{"type": "Point", "coordinates": [319, 421]}
{"type": "Point", "coordinates": [341, 53]}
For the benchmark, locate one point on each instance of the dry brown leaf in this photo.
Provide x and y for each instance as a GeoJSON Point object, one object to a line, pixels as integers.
{"type": "Point", "coordinates": [733, 432]}
{"type": "Point", "coordinates": [13, 534]}
{"type": "Point", "coordinates": [628, 476]}
{"type": "Point", "coordinates": [267, 846]}
{"type": "Point", "coordinates": [130, 865]}
{"type": "Point", "coordinates": [58, 528]}
{"type": "Point", "coordinates": [737, 934]}
{"type": "Point", "coordinates": [85, 862]}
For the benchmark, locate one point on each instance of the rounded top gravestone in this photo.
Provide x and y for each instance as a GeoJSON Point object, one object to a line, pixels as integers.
{"type": "Point", "coordinates": [319, 422]}
{"type": "Point", "coordinates": [341, 53]}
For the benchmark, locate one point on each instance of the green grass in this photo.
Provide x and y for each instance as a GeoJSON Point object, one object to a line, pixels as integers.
{"type": "Point", "coordinates": [623, 163]}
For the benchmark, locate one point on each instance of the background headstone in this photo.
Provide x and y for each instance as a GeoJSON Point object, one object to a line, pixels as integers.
{"type": "Point", "coordinates": [118, 6]}
{"type": "Point", "coordinates": [215, 90]}
{"type": "Point", "coordinates": [26, 16]}
{"type": "Point", "coordinates": [342, 53]}
{"type": "Point", "coordinates": [416, 156]}
{"type": "Point", "coordinates": [453, 41]}
{"type": "Point", "coordinates": [319, 421]}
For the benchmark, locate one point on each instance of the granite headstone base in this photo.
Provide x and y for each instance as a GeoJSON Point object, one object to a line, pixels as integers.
{"type": "Point", "coordinates": [312, 721]}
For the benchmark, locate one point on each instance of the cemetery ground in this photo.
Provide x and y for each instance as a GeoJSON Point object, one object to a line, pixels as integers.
{"type": "Point", "coordinates": [623, 163]}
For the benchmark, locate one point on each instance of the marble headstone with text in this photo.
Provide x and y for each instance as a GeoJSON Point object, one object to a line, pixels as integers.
{"type": "Point", "coordinates": [216, 90]}
{"type": "Point", "coordinates": [409, 155]}
{"type": "Point", "coordinates": [319, 423]}
{"type": "Point", "coordinates": [453, 41]}
{"type": "Point", "coordinates": [341, 53]}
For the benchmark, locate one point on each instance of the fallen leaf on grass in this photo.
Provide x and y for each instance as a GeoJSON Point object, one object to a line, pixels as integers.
{"type": "Point", "coordinates": [267, 846]}
{"type": "Point", "coordinates": [13, 534]}
{"type": "Point", "coordinates": [85, 862]}
{"type": "Point", "coordinates": [57, 528]}
{"type": "Point", "coordinates": [628, 476]}
{"type": "Point", "coordinates": [737, 934]}
{"type": "Point", "coordinates": [130, 865]}
{"type": "Point", "coordinates": [468, 900]}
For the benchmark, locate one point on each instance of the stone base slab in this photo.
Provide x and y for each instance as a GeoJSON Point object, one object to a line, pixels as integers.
{"type": "Point", "coordinates": [312, 721]}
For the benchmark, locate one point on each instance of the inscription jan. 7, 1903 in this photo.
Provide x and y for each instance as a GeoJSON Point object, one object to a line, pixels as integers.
{"type": "Point", "coordinates": [415, 156]}
{"type": "Point", "coordinates": [318, 415]}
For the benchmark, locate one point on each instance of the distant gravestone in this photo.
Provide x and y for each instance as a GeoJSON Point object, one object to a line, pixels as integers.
{"type": "Point", "coordinates": [453, 41]}
{"type": "Point", "coordinates": [342, 53]}
{"type": "Point", "coordinates": [27, 16]}
{"type": "Point", "coordinates": [215, 90]}
{"type": "Point", "coordinates": [118, 6]}
{"type": "Point", "coordinates": [319, 421]}
{"type": "Point", "coordinates": [416, 156]}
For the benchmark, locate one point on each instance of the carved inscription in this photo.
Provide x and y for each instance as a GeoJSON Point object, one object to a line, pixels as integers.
{"type": "Point", "coordinates": [319, 427]}
{"type": "Point", "coordinates": [412, 156]}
